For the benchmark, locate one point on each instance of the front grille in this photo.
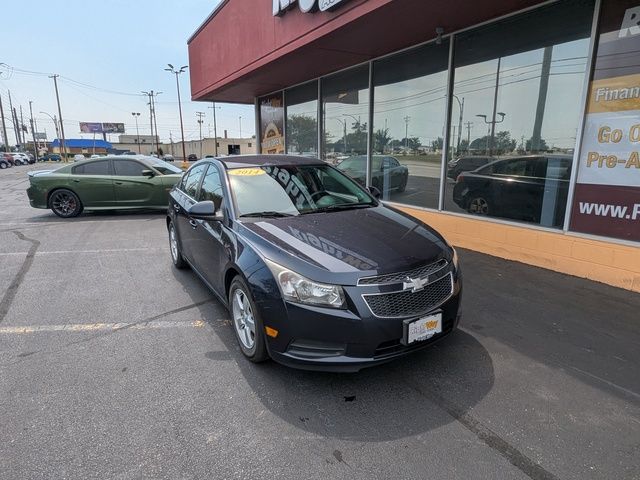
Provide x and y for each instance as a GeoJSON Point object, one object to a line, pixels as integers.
{"type": "Point", "coordinates": [420, 272]}
{"type": "Point", "coordinates": [407, 303]}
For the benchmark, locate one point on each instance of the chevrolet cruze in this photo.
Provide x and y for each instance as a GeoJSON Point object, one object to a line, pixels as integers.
{"type": "Point", "coordinates": [315, 271]}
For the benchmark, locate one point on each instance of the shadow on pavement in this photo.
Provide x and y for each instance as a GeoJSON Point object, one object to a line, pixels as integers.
{"type": "Point", "coordinates": [403, 398]}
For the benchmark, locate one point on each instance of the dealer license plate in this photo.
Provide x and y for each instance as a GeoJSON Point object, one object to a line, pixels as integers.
{"type": "Point", "coordinates": [423, 328]}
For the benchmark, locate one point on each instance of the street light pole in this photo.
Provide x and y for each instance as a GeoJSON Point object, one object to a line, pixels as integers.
{"type": "Point", "coordinates": [176, 73]}
{"type": "Point", "coordinates": [200, 121]}
{"type": "Point", "coordinates": [63, 147]}
{"type": "Point", "coordinates": [135, 116]}
{"type": "Point", "coordinates": [493, 123]}
{"type": "Point", "coordinates": [215, 127]}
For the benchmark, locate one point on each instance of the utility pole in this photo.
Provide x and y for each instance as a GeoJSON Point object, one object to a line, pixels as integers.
{"type": "Point", "coordinates": [14, 120]}
{"type": "Point", "coordinates": [152, 115]}
{"type": "Point", "coordinates": [215, 127]}
{"type": "Point", "coordinates": [17, 127]}
{"type": "Point", "coordinates": [63, 147]}
{"type": "Point", "coordinates": [22, 139]}
{"type": "Point", "coordinates": [4, 127]}
{"type": "Point", "coordinates": [171, 142]}
{"type": "Point", "coordinates": [240, 118]}
{"type": "Point", "coordinates": [33, 130]}
{"type": "Point", "coordinates": [469, 125]}
{"type": "Point", "coordinates": [200, 115]}
{"type": "Point", "coordinates": [406, 133]}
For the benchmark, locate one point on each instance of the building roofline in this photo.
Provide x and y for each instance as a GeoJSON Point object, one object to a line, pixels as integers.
{"type": "Point", "coordinates": [207, 20]}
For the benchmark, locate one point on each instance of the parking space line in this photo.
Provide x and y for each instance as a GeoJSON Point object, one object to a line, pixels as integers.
{"type": "Point", "coordinates": [92, 327]}
{"type": "Point", "coordinates": [105, 250]}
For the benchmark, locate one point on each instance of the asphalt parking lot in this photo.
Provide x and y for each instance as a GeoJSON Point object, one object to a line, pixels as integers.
{"type": "Point", "coordinates": [115, 365]}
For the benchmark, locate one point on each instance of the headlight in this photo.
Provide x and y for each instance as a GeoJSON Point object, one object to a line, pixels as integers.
{"type": "Point", "coordinates": [298, 289]}
{"type": "Point", "coordinates": [454, 258]}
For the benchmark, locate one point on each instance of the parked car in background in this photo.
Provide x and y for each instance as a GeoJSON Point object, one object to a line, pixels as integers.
{"type": "Point", "coordinates": [32, 159]}
{"type": "Point", "coordinates": [516, 187]}
{"type": "Point", "coordinates": [316, 272]}
{"type": "Point", "coordinates": [20, 158]}
{"type": "Point", "coordinates": [385, 171]}
{"type": "Point", "coordinates": [8, 158]}
{"type": "Point", "coordinates": [192, 157]}
{"type": "Point", "coordinates": [4, 163]}
{"type": "Point", "coordinates": [50, 157]}
{"type": "Point", "coordinates": [168, 158]}
{"type": "Point", "coordinates": [78, 157]}
{"type": "Point", "coordinates": [105, 183]}
{"type": "Point", "coordinates": [466, 164]}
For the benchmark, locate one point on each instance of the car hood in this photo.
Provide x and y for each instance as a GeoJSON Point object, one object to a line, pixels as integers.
{"type": "Point", "coordinates": [342, 246]}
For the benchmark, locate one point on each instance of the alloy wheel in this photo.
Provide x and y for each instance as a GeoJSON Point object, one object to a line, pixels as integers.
{"type": "Point", "coordinates": [63, 203]}
{"type": "Point", "coordinates": [173, 243]}
{"type": "Point", "coordinates": [479, 206]}
{"type": "Point", "coordinates": [243, 320]}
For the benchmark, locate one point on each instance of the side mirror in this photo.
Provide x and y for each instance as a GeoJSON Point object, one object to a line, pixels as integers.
{"type": "Point", "coordinates": [375, 192]}
{"type": "Point", "coordinates": [205, 210]}
{"type": "Point", "coordinates": [148, 173]}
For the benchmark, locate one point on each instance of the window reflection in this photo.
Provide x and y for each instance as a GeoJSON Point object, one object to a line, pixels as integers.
{"type": "Point", "coordinates": [409, 110]}
{"type": "Point", "coordinates": [515, 112]}
{"type": "Point", "coordinates": [345, 106]}
{"type": "Point", "coordinates": [302, 120]}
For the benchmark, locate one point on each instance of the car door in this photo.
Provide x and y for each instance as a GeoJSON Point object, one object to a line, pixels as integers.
{"type": "Point", "coordinates": [207, 246]}
{"type": "Point", "coordinates": [93, 183]}
{"type": "Point", "coordinates": [132, 188]}
{"type": "Point", "coordinates": [187, 226]}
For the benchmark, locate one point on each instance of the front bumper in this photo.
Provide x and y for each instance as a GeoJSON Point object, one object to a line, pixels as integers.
{"type": "Point", "coordinates": [313, 338]}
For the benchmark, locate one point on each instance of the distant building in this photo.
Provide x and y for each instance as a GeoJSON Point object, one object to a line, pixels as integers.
{"type": "Point", "coordinates": [80, 145]}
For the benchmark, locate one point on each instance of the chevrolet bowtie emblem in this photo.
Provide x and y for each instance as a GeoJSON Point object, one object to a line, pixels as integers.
{"type": "Point", "coordinates": [415, 284]}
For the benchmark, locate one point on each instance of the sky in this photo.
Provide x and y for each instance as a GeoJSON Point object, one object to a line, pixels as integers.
{"type": "Point", "coordinates": [106, 54]}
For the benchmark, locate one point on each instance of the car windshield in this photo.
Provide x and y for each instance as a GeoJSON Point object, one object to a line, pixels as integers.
{"type": "Point", "coordinates": [164, 168]}
{"type": "Point", "coordinates": [276, 191]}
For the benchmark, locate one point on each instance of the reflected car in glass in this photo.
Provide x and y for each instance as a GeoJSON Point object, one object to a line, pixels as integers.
{"type": "Point", "coordinates": [104, 183]}
{"type": "Point", "coordinates": [466, 164]}
{"type": "Point", "coordinates": [316, 272]}
{"type": "Point", "coordinates": [386, 171]}
{"type": "Point", "coordinates": [530, 188]}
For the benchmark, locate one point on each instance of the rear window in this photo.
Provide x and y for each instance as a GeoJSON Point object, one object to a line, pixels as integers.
{"type": "Point", "coordinates": [93, 168]}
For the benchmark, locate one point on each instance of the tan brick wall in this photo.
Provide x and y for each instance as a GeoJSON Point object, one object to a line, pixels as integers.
{"type": "Point", "coordinates": [602, 261]}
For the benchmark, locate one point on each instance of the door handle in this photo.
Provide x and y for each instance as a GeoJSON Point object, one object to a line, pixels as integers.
{"type": "Point", "coordinates": [193, 223]}
{"type": "Point", "coordinates": [176, 207]}
{"type": "Point", "coordinates": [76, 180]}
{"type": "Point", "coordinates": [118, 183]}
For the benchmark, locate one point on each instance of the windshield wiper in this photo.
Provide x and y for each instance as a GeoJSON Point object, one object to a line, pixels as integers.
{"type": "Point", "coordinates": [267, 214]}
{"type": "Point", "coordinates": [341, 206]}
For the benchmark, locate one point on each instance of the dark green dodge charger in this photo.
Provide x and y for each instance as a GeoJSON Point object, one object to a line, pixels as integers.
{"type": "Point", "coordinates": [104, 183]}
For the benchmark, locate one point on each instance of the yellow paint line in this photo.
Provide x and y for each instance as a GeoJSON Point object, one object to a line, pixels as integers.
{"type": "Point", "coordinates": [92, 327]}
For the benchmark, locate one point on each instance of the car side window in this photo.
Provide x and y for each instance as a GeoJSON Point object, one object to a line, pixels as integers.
{"type": "Point", "coordinates": [128, 168]}
{"type": "Point", "coordinates": [193, 180]}
{"type": "Point", "coordinates": [516, 167]}
{"type": "Point", "coordinates": [93, 168]}
{"type": "Point", "coordinates": [211, 188]}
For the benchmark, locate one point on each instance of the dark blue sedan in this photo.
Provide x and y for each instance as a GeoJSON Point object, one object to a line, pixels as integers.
{"type": "Point", "coordinates": [315, 271]}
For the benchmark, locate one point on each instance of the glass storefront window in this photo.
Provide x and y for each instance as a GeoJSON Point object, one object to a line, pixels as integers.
{"type": "Point", "coordinates": [302, 120]}
{"type": "Point", "coordinates": [345, 107]}
{"type": "Point", "coordinates": [515, 114]}
{"type": "Point", "coordinates": [408, 118]}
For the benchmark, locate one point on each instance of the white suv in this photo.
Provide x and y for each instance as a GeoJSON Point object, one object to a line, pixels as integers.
{"type": "Point", "coordinates": [20, 158]}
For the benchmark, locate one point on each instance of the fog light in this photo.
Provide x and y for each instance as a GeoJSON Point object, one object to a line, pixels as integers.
{"type": "Point", "coordinates": [272, 332]}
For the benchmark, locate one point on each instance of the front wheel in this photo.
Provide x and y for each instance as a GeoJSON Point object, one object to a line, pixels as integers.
{"type": "Point", "coordinates": [247, 324]}
{"type": "Point", "coordinates": [174, 246]}
{"type": "Point", "coordinates": [3, 165]}
{"type": "Point", "coordinates": [64, 203]}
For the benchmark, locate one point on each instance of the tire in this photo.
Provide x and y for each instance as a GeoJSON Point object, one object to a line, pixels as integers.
{"type": "Point", "coordinates": [64, 203]}
{"type": "Point", "coordinates": [403, 185]}
{"type": "Point", "coordinates": [3, 165]}
{"type": "Point", "coordinates": [246, 322]}
{"type": "Point", "coordinates": [174, 248]}
{"type": "Point", "coordinates": [479, 205]}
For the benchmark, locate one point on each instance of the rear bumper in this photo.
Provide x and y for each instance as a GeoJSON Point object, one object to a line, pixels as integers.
{"type": "Point", "coordinates": [37, 197]}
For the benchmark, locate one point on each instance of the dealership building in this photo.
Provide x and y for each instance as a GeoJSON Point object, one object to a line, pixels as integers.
{"type": "Point", "coordinates": [512, 127]}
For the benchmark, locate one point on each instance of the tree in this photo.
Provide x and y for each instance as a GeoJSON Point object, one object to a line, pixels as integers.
{"type": "Point", "coordinates": [302, 133]}
{"type": "Point", "coordinates": [502, 143]}
{"type": "Point", "coordinates": [464, 145]}
{"type": "Point", "coordinates": [541, 147]}
{"type": "Point", "coordinates": [381, 139]}
{"type": "Point", "coordinates": [437, 144]}
{"type": "Point", "coordinates": [357, 140]}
